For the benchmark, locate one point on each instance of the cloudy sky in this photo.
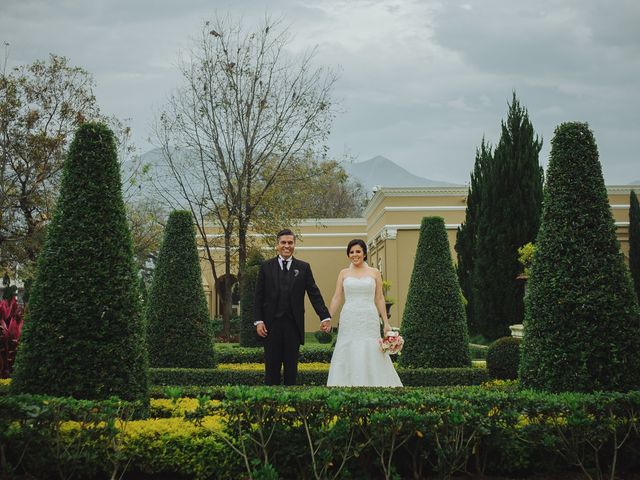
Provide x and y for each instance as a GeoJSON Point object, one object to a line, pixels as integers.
{"type": "Point", "coordinates": [421, 81]}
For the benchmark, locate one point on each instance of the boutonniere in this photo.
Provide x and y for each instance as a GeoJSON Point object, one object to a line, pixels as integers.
{"type": "Point", "coordinates": [295, 272]}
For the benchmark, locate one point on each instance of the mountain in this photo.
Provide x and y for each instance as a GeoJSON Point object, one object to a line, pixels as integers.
{"type": "Point", "coordinates": [380, 171]}
{"type": "Point", "coordinates": [377, 171]}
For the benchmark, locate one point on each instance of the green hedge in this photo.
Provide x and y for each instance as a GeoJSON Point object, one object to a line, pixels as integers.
{"type": "Point", "coordinates": [582, 315]}
{"type": "Point", "coordinates": [503, 358]}
{"type": "Point", "coordinates": [179, 329]}
{"type": "Point", "coordinates": [349, 433]}
{"type": "Point", "coordinates": [434, 323]}
{"type": "Point", "coordinates": [232, 353]}
{"type": "Point", "coordinates": [219, 376]}
{"type": "Point", "coordinates": [84, 335]}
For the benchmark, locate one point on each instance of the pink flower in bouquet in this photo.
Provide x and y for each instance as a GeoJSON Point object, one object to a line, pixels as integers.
{"type": "Point", "coordinates": [392, 342]}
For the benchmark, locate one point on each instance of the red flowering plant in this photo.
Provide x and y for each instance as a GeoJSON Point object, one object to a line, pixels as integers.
{"type": "Point", "coordinates": [392, 342]}
{"type": "Point", "coordinates": [11, 321]}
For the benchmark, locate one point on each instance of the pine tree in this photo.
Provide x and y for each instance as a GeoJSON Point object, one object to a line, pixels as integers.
{"type": "Point", "coordinates": [434, 324]}
{"type": "Point", "coordinates": [634, 241]}
{"type": "Point", "coordinates": [582, 323]}
{"type": "Point", "coordinates": [467, 232]}
{"type": "Point", "coordinates": [179, 328]}
{"type": "Point", "coordinates": [248, 279]}
{"type": "Point", "coordinates": [508, 217]}
{"type": "Point", "coordinates": [85, 335]}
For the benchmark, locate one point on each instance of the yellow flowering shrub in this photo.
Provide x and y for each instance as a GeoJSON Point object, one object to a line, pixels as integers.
{"type": "Point", "coordinates": [164, 407]}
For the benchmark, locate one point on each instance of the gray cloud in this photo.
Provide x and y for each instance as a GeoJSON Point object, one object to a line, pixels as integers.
{"type": "Point", "coordinates": [421, 81]}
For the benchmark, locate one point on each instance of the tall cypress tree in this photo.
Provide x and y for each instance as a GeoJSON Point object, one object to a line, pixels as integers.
{"type": "Point", "coordinates": [467, 232]}
{"type": "Point", "coordinates": [85, 335]}
{"type": "Point", "coordinates": [248, 279]}
{"type": "Point", "coordinates": [434, 323]}
{"type": "Point", "coordinates": [179, 327]}
{"type": "Point", "coordinates": [582, 323]}
{"type": "Point", "coordinates": [508, 217]}
{"type": "Point", "coordinates": [634, 241]}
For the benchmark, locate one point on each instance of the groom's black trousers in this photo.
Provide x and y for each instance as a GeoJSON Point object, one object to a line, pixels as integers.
{"type": "Point", "coordinates": [281, 348]}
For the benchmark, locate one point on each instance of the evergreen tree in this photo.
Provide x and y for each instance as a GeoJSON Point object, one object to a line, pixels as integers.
{"type": "Point", "coordinates": [582, 323]}
{"type": "Point", "coordinates": [634, 241]}
{"type": "Point", "coordinates": [179, 328]}
{"type": "Point", "coordinates": [85, 335]}
{"type": "Point", "coordinates": [467, 232]}
{"type": "Point", "coordinates": [248, 279]}
{"type": "Point", "coordinates": [508, 217]}
{"type": "Point", "coordinates": [434, 324]}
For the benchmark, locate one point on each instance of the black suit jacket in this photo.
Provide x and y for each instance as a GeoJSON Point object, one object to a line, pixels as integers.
{"type": "Point", "coordinates": [266, 294]}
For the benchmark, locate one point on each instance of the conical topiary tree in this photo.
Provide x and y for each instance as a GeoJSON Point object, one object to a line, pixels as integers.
{"type": "Point", "coordinates": [582, 321]}
{"type": "Point", "coordinates": [434, 324]}
{"type": "Point", "coordinates": [84, 335]}
{"type": "Point", "coordinates": [179, 328]}
{"type": "Point", "coordinates": [634, 241]}
{"type": "Point", "coordinates": [248, 279]}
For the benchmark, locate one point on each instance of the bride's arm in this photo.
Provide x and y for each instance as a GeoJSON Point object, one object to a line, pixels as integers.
{"type": "Point", "coordinates": [379, 300]}
{"type": "Point", "coordinates": [338, 296]}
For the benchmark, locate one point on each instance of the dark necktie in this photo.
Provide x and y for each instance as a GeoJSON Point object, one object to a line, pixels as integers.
{"type": "Point", "coordinates": [284, 265]}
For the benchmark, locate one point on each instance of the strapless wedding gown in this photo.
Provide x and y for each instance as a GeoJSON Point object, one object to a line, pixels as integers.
{"type": "Point", "coordinates": [357, 359]}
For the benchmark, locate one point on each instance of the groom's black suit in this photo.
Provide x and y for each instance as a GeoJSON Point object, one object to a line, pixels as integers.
{"type": "Point", "coordinates": [279, 303]}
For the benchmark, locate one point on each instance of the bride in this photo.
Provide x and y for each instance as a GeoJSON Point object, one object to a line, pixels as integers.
{"type": "Point", "coordinates": [357, 359]}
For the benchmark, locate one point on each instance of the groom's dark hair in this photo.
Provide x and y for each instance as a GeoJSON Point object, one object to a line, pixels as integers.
{"type": "Point", "coordinates": [285, 231]}
{"type": "Point", "coordinates": [357, 241]}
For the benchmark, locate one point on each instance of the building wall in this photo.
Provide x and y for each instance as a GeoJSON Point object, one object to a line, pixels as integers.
{"type": "Point", "coordinates": [390, 226]}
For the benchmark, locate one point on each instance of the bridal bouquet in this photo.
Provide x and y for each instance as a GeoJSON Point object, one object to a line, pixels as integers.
{"type": "Point", "coordinates": [392, 342]}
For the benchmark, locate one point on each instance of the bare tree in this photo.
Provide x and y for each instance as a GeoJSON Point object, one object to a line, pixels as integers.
{"type": "Point", "coordinates": [246, 111]}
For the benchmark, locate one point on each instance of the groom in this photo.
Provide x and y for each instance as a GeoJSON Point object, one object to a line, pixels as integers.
{"type": "Point", "coordinates": [279, 309]}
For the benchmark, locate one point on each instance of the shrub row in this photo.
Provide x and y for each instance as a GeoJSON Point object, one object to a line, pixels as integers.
{"type": "Point", "coordinates": [417, 377]}
{"type": "Point", "coordinates": [329, 433]}
{"type": "Point", "coordinates": [232, 353]}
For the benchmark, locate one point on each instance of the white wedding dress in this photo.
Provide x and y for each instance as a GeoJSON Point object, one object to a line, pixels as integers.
{"type": "Point", "coordinates": [357, 359]}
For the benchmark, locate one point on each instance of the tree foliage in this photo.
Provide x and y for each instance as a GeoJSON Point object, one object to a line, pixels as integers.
{"type": "Point", "coordinates": [248, 280]}
{"type": "Point", "coordinates": [467, 232]}
{"type": "Point", "coordinates": [179, 328]}
{"type": "Point", "coordinates": [434, 323]}
{"type": "Point", "coordinates": [85, 335]}
{"type": "Point", "coordinates": [245, 112]}
{"type": "Point", "coordinates": [41, 105]}
{"type": "Point", "coordinates": [634, 241]}
{"type": "Point", "coordinates": [508, 216]}
{"type": "Point", "coordinates": [582, 322]}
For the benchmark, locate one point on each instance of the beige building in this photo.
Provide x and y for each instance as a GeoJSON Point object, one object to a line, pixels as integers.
{"type": "Point", "coordinates": [390, 226]}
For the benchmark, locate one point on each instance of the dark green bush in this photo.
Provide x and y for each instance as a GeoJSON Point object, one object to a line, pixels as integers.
{"type": "Point", "coordinates": [582, 316]}
{"type": "Point", "coordinates": [84, 335]}
{"type": "Point", "coordinates": [368, 432]}
{"type": "Point", "coordinates": [416, 377]}
{"type": "Point", "coordinates": [179, 328]}
{"type": "Point", "coordinates": [323, 337]}
{"type": "Point", "coordinates": [232, 353]}
{"type": "Point", "coordinates": [248, 279]}
{"type": "Point", "coordinates": [503, 358]}
{"type": "Point", "coordinates": [434, 323]}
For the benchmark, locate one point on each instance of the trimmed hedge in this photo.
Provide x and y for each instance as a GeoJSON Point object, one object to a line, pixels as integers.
{"type": "Point", "coordinates": [84, 335]}
{"type": "Point", "coordinates": [232, 353]}
{"type": "Point", "coordinates": [360, 433]}
{"type": "Point", "coordinates": [248, 280]}
{"type": "Point", "coordinates": [582, 322]}
{"type": "Point", "coordinates": [180, 332]}
{"type": "Point", "coordinates": [503, 358]}
{"type": "Point", "coordinates": [417, 377]}
{"type": "Point", "coordinates": [434, 322]}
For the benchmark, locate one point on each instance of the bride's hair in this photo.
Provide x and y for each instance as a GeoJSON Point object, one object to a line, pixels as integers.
{"type": "Point", "coordinates": [357, 241]}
